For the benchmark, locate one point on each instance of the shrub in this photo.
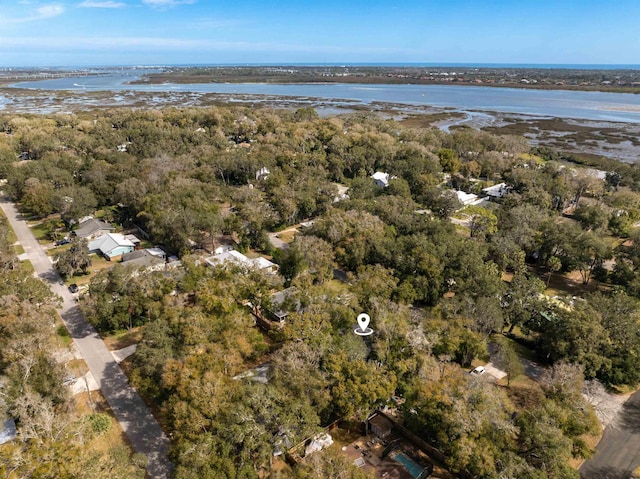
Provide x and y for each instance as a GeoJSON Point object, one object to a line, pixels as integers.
{"type": "Point", "coordinates": [100, 422]}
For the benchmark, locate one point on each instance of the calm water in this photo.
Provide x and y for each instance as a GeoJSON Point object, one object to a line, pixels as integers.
{"type": "Point", "coordinates": [554, 103]}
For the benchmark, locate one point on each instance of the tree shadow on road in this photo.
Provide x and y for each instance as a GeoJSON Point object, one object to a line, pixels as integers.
{"type": "Point", "coordinates": [629, 417]}
{"type": "Point", "coordinates": [603, 473]}
{"type": "Point", "coordinates": [51, 276]}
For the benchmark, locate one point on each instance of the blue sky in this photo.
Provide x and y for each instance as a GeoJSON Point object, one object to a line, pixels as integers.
{"type": "Point", "coordinates": [147, 32]}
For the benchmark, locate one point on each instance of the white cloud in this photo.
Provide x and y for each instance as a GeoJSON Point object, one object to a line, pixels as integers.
{"type": "Point", "coordinates": [209, 23]}
{"type": "Point", "coordinates": [105, 4]}
{"type": "Point", "coordinates": [146, 44]}
{"type": "Point", "coordinates": [48, 11]}
{"type": "Point", "coordinates": [167, 3]}
{"type": "Point", "coordinates": [40, 13]}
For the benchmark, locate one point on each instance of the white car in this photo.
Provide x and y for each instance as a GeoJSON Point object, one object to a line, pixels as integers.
{"type": "Point", "coordinates": [478, 371]}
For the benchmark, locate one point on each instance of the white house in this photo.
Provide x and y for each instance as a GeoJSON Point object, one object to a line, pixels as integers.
{"type": "Point", "coordinates": [223, 248]}
{"type": "Point", "coordinates": [229, 257]}
{"type": "Point", "coordinates": [466, 198]}
{"type": "Point", "coordinates": [496, 191]}
{"type": "Point", "coordinates": [111, 245]}
{"type": "Point", "coordinates": [237, 258]}
{"type": "Point", "coordinates": [265, 265]}
{"type": "Point", "coordinates": [382, 179]}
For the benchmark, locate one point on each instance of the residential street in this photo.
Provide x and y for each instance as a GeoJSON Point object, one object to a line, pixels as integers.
{"type": "Point", "coordinates": [618, 452]}
{"type": "Point", "coordinates": [136, 420]}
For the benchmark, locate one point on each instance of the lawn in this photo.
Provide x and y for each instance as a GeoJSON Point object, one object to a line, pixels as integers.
{"type": "Point", "coordinates": [287, 235]}
{"type": "Point", "coordinates": [335, 287]}
{"type": "Point", "coordinates": [39, 232]}
{"type": "Point", "coordinates": [520, 349]}
{"type": "Point", "coordinates": [122, 339]}
{"type": "Point", "coordinates": [27, 266]}
{"type": "Point", "coordinates": [568, 284]}
{"type": "Point", "coordinates": [11, 236]}
{"type": "Point", "coordinates": [98, 264]}
{"type": "Point", "coordinates": [109, 442]}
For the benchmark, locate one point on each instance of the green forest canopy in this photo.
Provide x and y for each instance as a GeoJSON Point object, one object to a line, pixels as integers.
{"type": "Point", "coordinates": [434, 290]}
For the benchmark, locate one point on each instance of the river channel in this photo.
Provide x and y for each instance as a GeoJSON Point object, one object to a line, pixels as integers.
{"type": "Point", "coordinates": [595, 106]}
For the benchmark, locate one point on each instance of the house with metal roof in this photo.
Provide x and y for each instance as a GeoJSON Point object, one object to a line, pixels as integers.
{"type": "Point", "coordinates": [111, 245]}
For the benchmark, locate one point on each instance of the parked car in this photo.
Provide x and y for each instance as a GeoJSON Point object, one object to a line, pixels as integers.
{"type": "Point", "coordinates": [74, 288]}
{"type": "Point", "coordinates": [478, 371]}
{"type": "Point", "coordinates": [63, 241]}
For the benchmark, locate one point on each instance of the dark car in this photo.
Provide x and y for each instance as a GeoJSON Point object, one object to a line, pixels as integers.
{"type": "Point", "coordinates": [73, 288]}
{"type": "Point", "coordinates": [63, 241]}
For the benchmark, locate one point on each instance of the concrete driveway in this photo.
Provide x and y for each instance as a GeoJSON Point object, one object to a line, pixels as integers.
{"type": "Point", "coordinates": [141, 428]}
{"type": "Point", "coordinates": [491, 370]}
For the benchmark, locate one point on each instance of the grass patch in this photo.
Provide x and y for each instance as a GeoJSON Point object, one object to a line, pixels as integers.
{"type": "Point", "coordinates": [145, 243]}
{"type": "Point", "coordinates": [78, 367]}
{"type": "Point", "coordinates": [335, 286]}
{"type": "Point", "coordinates": [58, 249]}
{"type": "Point", "coordinates": [63, 335]}
{"type": "Point", "coordinates": [17, 249]}
{"type": "Point", "coordinates": [98, 263]}
{"type": "Point", "coordinates": [123, 339]}
{"type": "Point", "coordinates": [343, 437]}
{"type": "Point", "coordinates": [623, 389]}
{"type": "Point", "coordinates": [27, 266]}
{"type": "Point", "coordinates": [113, 441]}
{"type": "Point", "coordinates": [11, 235]}
{"type": "Point", "coordinates": [525, 393]}
{"type": "Point", "coordinates": [592, 442]}
{"type": "Point", "coordinates": [40, 233]}
{"type": "Point", "coordinates": [520, 349]}
{"type": "Point", "coordinates": [287, 236]}
{"type": "Point", "coordinates": [568, 284]}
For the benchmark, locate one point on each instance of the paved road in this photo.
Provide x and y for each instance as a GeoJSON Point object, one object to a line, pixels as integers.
{"type": "Point", "coordinates": [618, 452]}
{"type": "Point", "coordinates": [136, 420]}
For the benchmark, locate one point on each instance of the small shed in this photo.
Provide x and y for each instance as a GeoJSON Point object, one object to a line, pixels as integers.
{"type": "Point", "coordinates": [379, 425]}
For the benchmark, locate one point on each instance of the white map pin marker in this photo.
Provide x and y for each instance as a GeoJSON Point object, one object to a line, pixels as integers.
{"type": "Point", "coordinates": [363, 322]}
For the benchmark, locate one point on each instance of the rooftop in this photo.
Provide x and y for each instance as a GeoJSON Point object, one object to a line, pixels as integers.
{"type": "Point", "coordinates": [91, 226]}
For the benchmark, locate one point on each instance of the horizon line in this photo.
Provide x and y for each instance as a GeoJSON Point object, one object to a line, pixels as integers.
{"type": "Point", "coordinates": [341, 65]}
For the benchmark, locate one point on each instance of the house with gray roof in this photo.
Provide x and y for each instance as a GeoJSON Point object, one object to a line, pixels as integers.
{"type": "Point", "coordinates": [93, 228]}
{"type": "Point", "coordinates": [145, 259]}
{"type": "Point", "coordinates": [282, 303]}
